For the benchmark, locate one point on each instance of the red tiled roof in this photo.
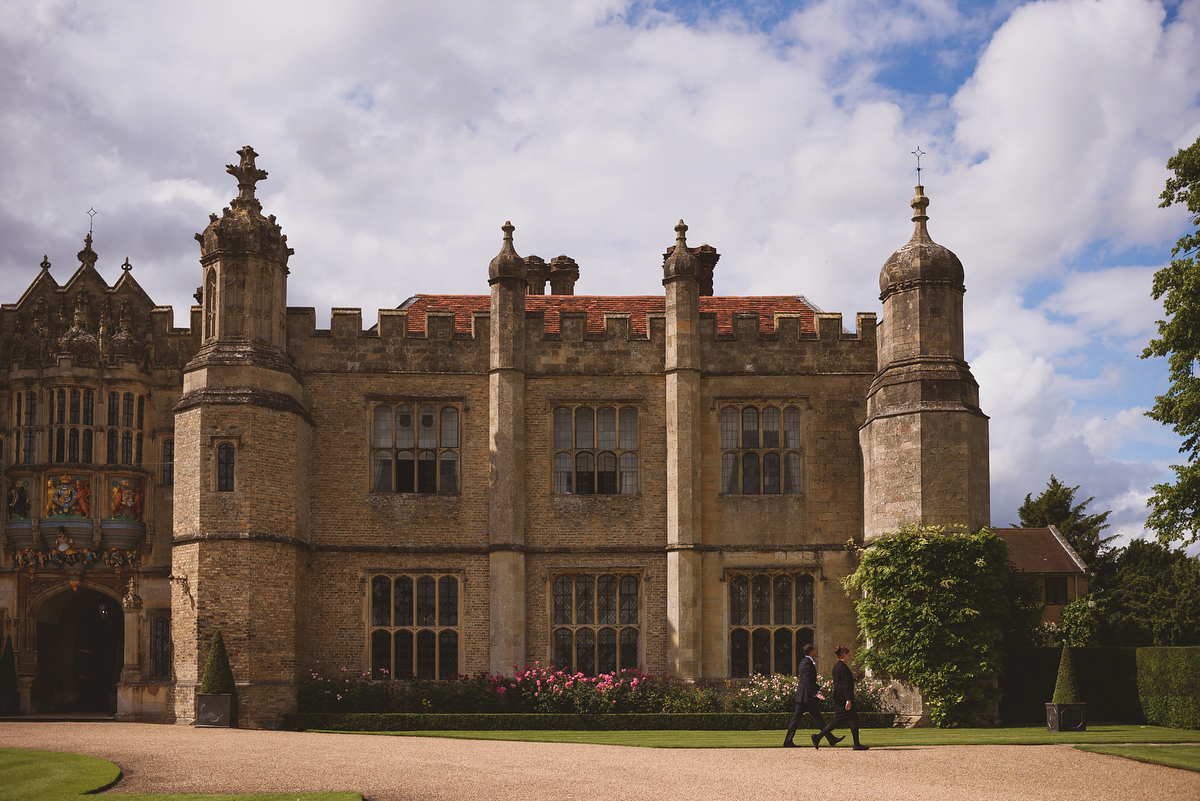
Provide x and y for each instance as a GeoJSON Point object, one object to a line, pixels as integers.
{"type": "Point", "coordinates": [596, 306]}
{"type": "Point", "coordinates": [1039, 550]}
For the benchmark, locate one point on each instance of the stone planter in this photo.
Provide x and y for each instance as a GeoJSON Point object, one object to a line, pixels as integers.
{"type": "Point", "coordinates": [215, 711]}
{"type": "Point", "coordinates": [1066, 717]}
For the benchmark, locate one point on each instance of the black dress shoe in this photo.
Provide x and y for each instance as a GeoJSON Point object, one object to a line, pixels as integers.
{"type": "Point", "coordinates": [816, 738]}
{"type": "Point", "coordinates": [858, 747]}
{"type": "Point", "coordinates": [835, 740]}
{"type": "Point", "coordinates": [790, 745]}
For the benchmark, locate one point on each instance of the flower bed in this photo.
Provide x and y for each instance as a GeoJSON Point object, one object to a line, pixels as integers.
{"type": "Point", "coordinates": [544, 690]}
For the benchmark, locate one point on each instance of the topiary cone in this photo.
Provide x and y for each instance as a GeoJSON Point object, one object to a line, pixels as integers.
{"type": "Point", "coordinates": [218, 675]}
{"type": "Point", "coordinates": [1066, 691]}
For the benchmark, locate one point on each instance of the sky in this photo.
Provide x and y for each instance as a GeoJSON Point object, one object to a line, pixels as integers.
{"type": "Point", "coordinates": [399, 136]}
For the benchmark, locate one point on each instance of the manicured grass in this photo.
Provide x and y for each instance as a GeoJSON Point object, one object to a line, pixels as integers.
{"type": "Point", "coordinates": [888, 738]}
{"type": "Point", "coordinates": [52, 776]}
{"type": "Point", "coordinates": [1173, 756]}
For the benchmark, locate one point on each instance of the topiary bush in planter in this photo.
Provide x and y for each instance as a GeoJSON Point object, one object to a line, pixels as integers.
{"type": "Point", "coordinates": [217, 698]}
{"type": "Point", "coordinates": [1066, 711]}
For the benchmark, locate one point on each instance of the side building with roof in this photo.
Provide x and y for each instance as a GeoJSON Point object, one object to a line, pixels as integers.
{"type": "Point", "coordinates": [467, 483]}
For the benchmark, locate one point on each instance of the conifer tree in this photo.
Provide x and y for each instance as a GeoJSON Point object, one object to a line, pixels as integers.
{"type": "Point", "coordinates": [1056, 507]}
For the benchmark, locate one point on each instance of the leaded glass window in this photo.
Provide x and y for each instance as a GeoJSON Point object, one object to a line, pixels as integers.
{"type": "Point", "coordinates": [416, 448]}
{"type": "Point", "coordinates": [414, 626]}
{"type": "Point", "coordinates": [596, 622]}
{"type": "Point", "coordinates": [595, 450]}
{"type": "Point", "coordinates": [770, 619]}
{"type": "Point", "coordinates": [761, 451]}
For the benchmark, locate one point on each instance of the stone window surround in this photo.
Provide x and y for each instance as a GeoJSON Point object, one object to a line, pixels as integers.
{"type": "Point", "coordinates": [552, 572]}
{"type": "Point", "coordinates": [436, 573]}
{"type": "Point", "coordinates": [625, 476]}
{"type": "Point", "coordinates": [52, 427]}
{"type": "Point", "coordinates": [790, 457]}
{"type": "Point", "coordinates": [415, 401]}
{"type": "Point", "coordinates": [797, 573]}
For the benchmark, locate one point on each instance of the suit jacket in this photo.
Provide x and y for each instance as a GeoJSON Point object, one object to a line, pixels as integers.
{"type": "Point", "coordinates": [806, 691]}
{"type": "Point", "coordinates": [843, 684]}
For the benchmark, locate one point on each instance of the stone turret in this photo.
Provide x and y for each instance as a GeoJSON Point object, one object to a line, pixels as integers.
{"type": "Point", "coordinates": [925, 440]}
{"type": "Point", "coordinates": [243, 439]}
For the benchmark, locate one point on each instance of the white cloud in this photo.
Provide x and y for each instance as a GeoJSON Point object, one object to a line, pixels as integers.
{"type": "Point", "coordinates": [400, 136]}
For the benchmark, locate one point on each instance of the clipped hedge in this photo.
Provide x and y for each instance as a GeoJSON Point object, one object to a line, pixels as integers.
{"type": "Point", "coordinates": [1119, 685]}
{"type": "Point", "coordinates": [1168, 682]}
{"type": "Point", "coordinates": [400, 721]}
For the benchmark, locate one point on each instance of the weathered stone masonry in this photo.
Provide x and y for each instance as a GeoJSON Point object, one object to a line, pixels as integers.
{"type": "Point", "coordinates": [263, 513]}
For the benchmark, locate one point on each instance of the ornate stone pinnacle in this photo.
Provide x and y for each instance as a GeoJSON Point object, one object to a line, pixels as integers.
{"type": "Point", "coordinates": [681, 234]}
{"type": "Point", "coordinates": [247, 175]}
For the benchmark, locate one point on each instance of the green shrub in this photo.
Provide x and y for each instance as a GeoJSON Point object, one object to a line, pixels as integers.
{"type": "Point", "coordinates": [218, 675]}
{"type": "Point", "coordinates": [1066, 691]}
{"type": "Point", "coordinates": [1169, 685]}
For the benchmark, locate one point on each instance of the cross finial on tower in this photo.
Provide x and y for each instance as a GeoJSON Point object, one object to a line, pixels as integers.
{"type": "Point", "coordinates": [247, 175]}
{"type": "Point", "coordinates": [918, 153]}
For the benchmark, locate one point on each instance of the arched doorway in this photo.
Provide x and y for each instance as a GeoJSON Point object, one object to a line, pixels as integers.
{"type": "Point", "coordinates": [80, 641]}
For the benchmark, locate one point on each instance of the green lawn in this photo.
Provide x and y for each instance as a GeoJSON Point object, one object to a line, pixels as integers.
{"type": "Point", "coordinates": [1173, 756]}
{"type": "Point", "coordinates": [1032, 735]}
{"type": "Point", "coordinates": [51, 776]}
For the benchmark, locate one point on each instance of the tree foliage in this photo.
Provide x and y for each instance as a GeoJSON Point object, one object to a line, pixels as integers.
{"type": "Point", "coordinates": [1175, 507]}
{"type": "Point", "coordinates": [1056, 507]}
{"type": "Point", "coordinates": [933, 607]}
{"type": "Point", "coordinates": [1151, 597]}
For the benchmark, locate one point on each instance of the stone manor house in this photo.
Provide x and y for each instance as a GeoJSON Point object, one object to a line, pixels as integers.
{"type": "Point", "coordinates": [469, 483]}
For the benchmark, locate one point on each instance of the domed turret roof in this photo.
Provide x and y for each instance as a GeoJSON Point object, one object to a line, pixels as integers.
{"type": "Point", "coordinates": [507, 263]}
{"type": "Point", "coordinates": [922, 260]}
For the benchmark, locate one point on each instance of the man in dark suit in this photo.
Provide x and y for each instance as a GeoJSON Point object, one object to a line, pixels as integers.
{"type": "Point", "coordinates": [808, 694]}
{"type": "Point", "coordinates": [846, 710]}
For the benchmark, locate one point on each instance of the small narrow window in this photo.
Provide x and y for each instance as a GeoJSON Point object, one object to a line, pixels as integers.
{"type": "Point", "coordinates": [383, 471]}
{"type": "Point", "coordinates": [449, 427]}
{"type": "Point", "coordinates": [606, 428]}
{"type": "Point", "coordinates": [750, 427]}
{"type": "Point", "coordinates": [750, 477]}
{"type": "Point", "coordinates": [629, 474]}
{"type": "Point", "coordinates": [629, 428]}
{"type": "Point", "coordinates": [427, 472]}
{"type": "Point", "coordinates": [383, 427]}
{"type": "Point", "coordinates": [770, 473]}
{"type": "Point", "coordinates": [225, 465]}
{"type": "Point", "coordinates": [791, 427]}
{"type": "Point", "coordinates": [729, 427]}
{"type": "Point", "coordinates": [88, 435]}
{"type": "Point", "coordinates": [770, 427]}
{"type": "Point", "coordinates": [60, 445]}
{"type": "Point", "coordinates": [426, 427]}
{"type": "Point", "coordinates": [606, 473]}
{"type": "Point", "coordinates": [729, 474]}
{"type": "Point", "coordinates": [168, 462]}
{"type": "Point", "coordinates": [583, 428]}
{"type": "Point", "coordinates": [406, 472]}
{"type": "Point", "coordinates": [73, 445]}
{"type": "Point", "coordinates": [791, 474]}
{"type": "Point", "coordinates": [127, 411]}
{"type": "Point", "coordinates": [74, 420]}
{"type": "Point", "coordinates": [89, 407]}
{"type": "Point", "coordinates": [584, 473]}
{"type": "Point", "coordinates": [62, 407]}
{"type": "Point", "coordinates": [127, 448]}
{"type": "Point", "coordinates": [563, 484]}
{"type": "Point", "coordinates": [114, 408]}
{"type": "Point", "coordinates": [562, 427]}
{"type": "Point", "coordinates": [405, 438]}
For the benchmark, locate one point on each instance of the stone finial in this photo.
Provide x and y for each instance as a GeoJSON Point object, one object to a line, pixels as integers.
{"type": "Point", "coordinates": [919, 204]}
{"type": "Point", "coordinates": [45, 265]}
{"type": "Point", "coordinates": [247, 175]}
{"type": "Point", "coordinates": [678, 261]}
{"type": "Point", "coordinates": [507, 263]}
{"type": "Point", "coordinates": [126, 267]}
{"type": "Point", "coordinates": [87, 255]}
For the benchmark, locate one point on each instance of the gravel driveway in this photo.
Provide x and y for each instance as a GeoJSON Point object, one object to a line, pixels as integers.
{"type": "Point", "coordinates": [167, 758]}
